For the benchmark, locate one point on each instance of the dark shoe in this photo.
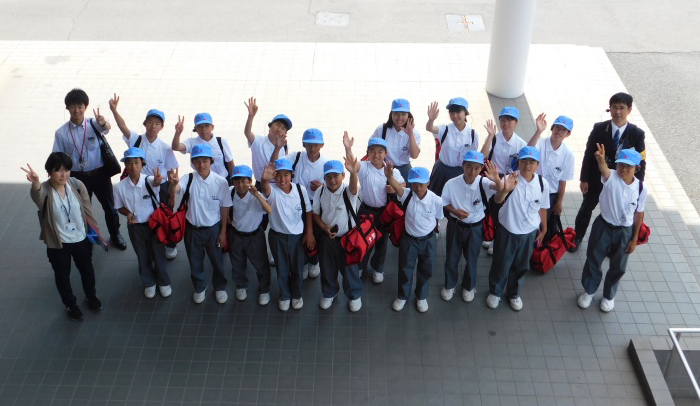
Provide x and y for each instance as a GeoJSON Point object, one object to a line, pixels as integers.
{"type": "Point", "coordinates": [119, 242]}
{"type": "Point", "coordinates": [574, 248]}
{"type": "Point", "coordinates": [74, 313]}
{"type": "Point", "coordinates": [94, 303]}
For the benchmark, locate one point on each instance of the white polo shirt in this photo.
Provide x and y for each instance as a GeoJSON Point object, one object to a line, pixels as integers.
{"type": "Point", "coordinates": [373, 184]}
{"type": "Point", "coordinates": [286, 216]}
{"type": "Point", "coordinates": [555, 165]}
{"type": "Point", "coordinates": [307, 171]}
{"type": "Point", "coordinates": [135, 198]}
{"type": "Point", "coordinates": [456, 143]}
{"type": "Point", "coordinates": [467, 197]}
{"type": "Point", "coordinates": [520, 213]}
{"type": "Point", "coordinates": [68, 216]}
{"type": "Point", "coordinates": [220, 157]}
{"type": "Point", "coordinates": [207, 197]}
{"type": "Point", "coordinates": [334, 210]}
{"type": "Point", "coordinates": [504, 151]}
{"type": "Point", "coordinates": [247, 212]}
{"type": "Point", "coordinates": [81, 143]}
{"type": "Point", "coordinates": [619, 201]}
{"type": "Point", "coordinates": [421, 213]}
{"type": "Point", "coordinates": [158, 154]}
{"type": "Point", "coordinates": [262, 149]}
{"type": "Point", "coordinates": [398, 151]}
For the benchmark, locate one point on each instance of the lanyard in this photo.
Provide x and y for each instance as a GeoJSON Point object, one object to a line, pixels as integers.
{"type": "Point", "coordinates": [75, 144]}
{"type": "Point", "coordinates": [63, 206]}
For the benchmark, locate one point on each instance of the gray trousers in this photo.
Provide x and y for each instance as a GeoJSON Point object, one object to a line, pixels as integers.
{"type": "Point", "coordinates": [462, 241]}
{"type": "Point", "coordinates": [253, 248]}
{"type": "Point", "coordinates": [412, 250]}
{"type": "Point", "coordinates": [199, 241]}
{"type": "Point", "coordinates": [150, 255]}
{"type": "Point", "coordinates": [332, 259]}
{"type": "Point", "coordinates": [511, 261]}
{"type": "Point", "coordinates": [288, 252]}
{"type": "Point", "coordinates": [611, 242]}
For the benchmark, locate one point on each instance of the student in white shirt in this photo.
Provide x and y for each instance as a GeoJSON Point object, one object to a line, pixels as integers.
{"type": "Point", "coordinates": [402, 139]}
{"type": "Point", "coordinates": [522, 223]}
{"type": "Point", "coordinates": [290, 230]}
{"type": "Point", "coordinates": [418, 242]}
{"type": "Point", "coordinates": [465, 198]}
{"type": "Point", "coordinates": [453, 140]}
{"type": "Point", "coordinates": [159, 154]}
{"type": "Point", "coordinates": [208, 201]}
{"type": "Point", "coordinates": [265, 149]}
{"type": "Point", "coordinates": [615, 231]}
{"type": "Point", "coordinates": [246, 238]}
{"type": "Point", "coordinates": [204, 127]}
{"type": "Point", "coordinates": [135, 198]}
{"type": "Point", "coordinates": [331, 214]}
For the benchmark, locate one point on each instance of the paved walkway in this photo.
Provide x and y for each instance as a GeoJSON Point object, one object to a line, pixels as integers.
{"type": "Point", "coordinates": [171, 351]}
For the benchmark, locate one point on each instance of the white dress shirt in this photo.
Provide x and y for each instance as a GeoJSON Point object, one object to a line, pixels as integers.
{"type": "Point", "coordinates": [505, 151]}
{"type": "Point", "coordinates": [619, 201]}
{"type": "Point", "coordinates": [207, 197]}
{"type": "Point", "coordinates": [555, 165]}
{"type": "Point", "coordinates": [262, 149]}
{"type": "Point", "coordinates": [69, 218]}
{"type": "Point", "coordinates": [467, 197]}
{"type": "Point", "coordinates": [373, 184]}
{"type": "Point", "coordinates": [84, 151]}
{"type": "Point", "coordinates": [286, 216]}
{"type": "Point", "coordinates": [520, 213]}
{"type": "Point", "coordinates": [398, 152]}
{"type": "Point", "coordinates": [220, 157]}
{"type": "Point", "coordinates": [421, 214]}
{"type": "Point", "coordinates": [135, 198]}
{"type": "Point", "coordinates": [247, 212]}
{"type": "Point", "coordinates": [307, 171]}
{"type": "Point", "coordinates": [334, 210]}
{"type": "Point", "coordinates": [456, 143]}
{"type": "Point", "coordinates": [158, 154]}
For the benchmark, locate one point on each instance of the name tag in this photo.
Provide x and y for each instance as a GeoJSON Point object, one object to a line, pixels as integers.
{"type": "Point", "coordinates": [70, 227]}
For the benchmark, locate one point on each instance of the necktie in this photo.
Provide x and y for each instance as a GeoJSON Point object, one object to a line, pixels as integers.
{"type": "Point", "coordinates": [616, 138]}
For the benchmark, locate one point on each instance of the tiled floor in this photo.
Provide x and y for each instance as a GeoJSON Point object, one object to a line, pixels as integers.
{"type": "Point", "coordinates": [171, 351]}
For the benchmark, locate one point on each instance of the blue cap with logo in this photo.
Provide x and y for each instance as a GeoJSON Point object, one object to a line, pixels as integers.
{"type": "Point", "coordinates": [156, 113]}
{"type": "Point", "coordinates": [629, 157]}
{"type": "Point", "coordinates": [458, 101]}
{"type": "Point", "coordinates": [284, 119]}
{"type": "Point", "coordinates": [202, 150]}
{"type": "Point", "coordinates": [333, 167]}
{"type": "Point", "coordinates": [242, 171]}
{"type": "Point", "coordinates": [377, 141]}
{"type": "Point", "coordinates": [400, 106]}
{"type": "Point", "coordinates": [418, 175]}
{"type": "Point", "coordinates": [283, 165]}
{"type": "Point", "coordinates": [312, 136]}
{"type": "Point", "coordinates": [473, 156]}
{"type": "Point", "coordinates": [134, 152]}
{"type": "Point", "coordinates": [203, 118]}
{"type": "Point", "coordinates": [565, 122]}
{"type": "Point", "coordinates": [529, 153]}
{"type": "Point", "coordinates": [511, 112]}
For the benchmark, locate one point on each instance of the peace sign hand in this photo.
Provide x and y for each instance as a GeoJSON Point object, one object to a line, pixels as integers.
{"type": "Point", "coordinates": [600, 153]}
{"type": "Point", "coordinates": [180, 125]}
{"type": "Point", "coordinates": [157, 177]}
{"type": "Point", "coordinates": [99, 117]}
{"type": "Point", "coordinates": [32, 176]}
{"type": "Point", "coordinates": [173, 179]}
{"type": "Point", "coordinates": [113, 102]}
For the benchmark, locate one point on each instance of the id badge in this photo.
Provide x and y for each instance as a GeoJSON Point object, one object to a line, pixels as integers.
{"type": "Point", "coordinates": [69, 227]}
{"type": "Point", "coordinates": [82, 164]}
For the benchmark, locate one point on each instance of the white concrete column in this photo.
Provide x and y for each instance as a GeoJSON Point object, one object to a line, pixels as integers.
{"type": "Point", "coordinates": [510, 44]}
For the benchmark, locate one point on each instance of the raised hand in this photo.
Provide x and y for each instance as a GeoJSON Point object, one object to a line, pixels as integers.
{"type": "Point", "coordinates": [32, 176]}
{"type": "Point", "coordinates": [541, 122]}
{"type": "Point", "coordinates": [347, 141]}
{"type": "Point", "coordinates": [490, 127]}
{"type": "Point", "coordinates": [251, 106]}
{"type": "Point", "coordinates": [252, 189]}
{"type": "Point", "coordinates": [351, 164]}
{"type": "Point", "coordinates": [388, 169]}
{"type": "Point", "coordinates": [157, 177]}
{"type": "Point", "coordinates": [268, 172]}
{"type": "Point", "coordinates": [281, 141]}
{"type": "Point", "coordinates": [491, 171]}
{"type": "Point", "coordinates": [180, 125]}
{"type": "Point", "coordinates": [113, 102]}
{"type": "Point", "coordinates": [410, 125]}
{"type": "Point", "coordinates": [173, 178]}
{"type": "Point", "coordinates": [511, 181]}
{"type": "Point", "coordinates": [600, 153]}
{"type": "Point", "coordinates": [433, 111]}
{"type": "Point", "coordinates": [101, 120]}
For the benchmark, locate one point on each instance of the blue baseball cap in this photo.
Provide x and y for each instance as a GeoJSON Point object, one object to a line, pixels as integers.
{"type": "Point", "coordinates": [400, 106]}
{"type": "Point", "coordinates": [283, 165]}
{"type": "Point", "coordinates": [629, 157]}
{"type": "Point", "coordinates": [377, 141]}
{"type": "Point", "coordinates": [284, 119]}
{"type": "Point", "coordinates": [565, 122]}
{"type": "Point", "coordinates": [242, 171]}
{"type": "Point", "coordinates": [529, 153]}
{"type": "Point", "coordinates": [510, 111]}
{"type": "Point", "coordinates": [312, 136]}
{"type": "Point", "coordinates": [134, 152]}
{"type": "Point", "coordinates": [202, 118]}
{"type": "Point", "coordinates": [333, 167]}
{"type": "Point", "coordinates": [473, 156]}
{"type": "Point", "coordinates": [202, 150]}
{"type": "Point", "coordinates": [156, 113]}
{"type": "Point", "coordinates": [418, 175]}
{"type": "Point", "coordinates": [458, 101]}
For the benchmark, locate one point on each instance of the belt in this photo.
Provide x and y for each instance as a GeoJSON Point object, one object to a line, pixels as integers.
{"type": "Point", "coordinates": [610, 225]}
{"type": "Point", "coordinates": [90, 173]}
{"type": "Point", "coordinates": [372, 208]}
{"type": "Point", "coordinates": [425, 237]}
{"type": "Point", "coordinates": [244, 234]}
{"type": "Point", "coordinates": [190, 225]}
{"type": "Point", "coordinates": [468, 225]}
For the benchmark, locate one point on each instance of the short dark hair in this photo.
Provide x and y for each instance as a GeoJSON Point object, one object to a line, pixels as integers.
{"type": "Point", "coordinates": [390, 122]}
{"type": "Point", "coordinates": [56, 161]}
{"type": "Point", "coordinates": [143, 161]}
{"type": "Point", "coordinates": [154, 116]}
{"type": "Point", "coordinates": [211, 160]}
{"type": "Point", "coordinates": [76, 96]}
{"type": "Point", "coordinates": [456, 109]}
{"type": "Point", "coordinates": [621, 98]}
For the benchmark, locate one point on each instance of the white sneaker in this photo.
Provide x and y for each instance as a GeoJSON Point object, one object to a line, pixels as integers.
{"type": "Point", "coordinates": [607, 305]}
{"type": "Point", "coordinates": [326, 302]}
{"type": "Point", "coordinates": [487, 244]}
{"type": "Point", "coordinates": [468, 295]}
{"type": "Point", "coordinates": [422, 305]}
{"type": "Point", "coordinates": [492, 301]}
{"type": "Point", "coordinates": [516, 304]}
{"type": "Point", "coordinates": [165, 291]}
{"type": "Point", "coordinates": [263, 299]}
{"type": "Point", "coordinates": [170, 253]}
{"type": "Point", "coordinates": [314, 271]}
{"type": "Point", "coordinates": [150, 292]}
{"type": "Point", "coordinates": [199, 297]}
{"type": "Point", "coordinates": [584, 300]}
{"type": "Point", "coordinates": [241, 294]}
{"type": "Point", "coordinates": [398, 304]}
{"type": "Point", "coordinates": [447, 294]}
{"type": "Point", "coordinates": [297, 303]}
{"type": "Point", "coordinates": [378, 277]}
{"type": "Point", "coordinates": [221, 296]}
{"type": "Point", "coordinates": [283, 305]}
{"type": "Point", "coordinates": [271, 258]}
{"type": "Point", "coordinates": [490, 250]}
{"type": "Point", "coordinates": [355, 305]}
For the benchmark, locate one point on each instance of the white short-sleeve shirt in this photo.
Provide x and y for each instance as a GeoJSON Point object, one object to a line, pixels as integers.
{"type": "Point", "coordinates": [619, 201]}
{"type": "Point", "coordinates": [398, 152]}
{"type": "Point", "coordinates": [136, 198]}
{"type": "Point", "coordinates": [306, 171]}
{"type": "Point", "coordinates": [220, 157]}
{"type": "Point", "coordinates": [373, 184]}
{"type": "Point", "coordinates": [247, 212]}
{"type": "Point", "coordinates": [421, 214]}
{"type": "Point", "coordinates": [207, 197]}
{"type": "Point", "coordinates": [158, 154]}
{"type": "Point", "coordinates": [81, 143]}
{"type": "Point", "coordinates": [262, 149]}
{"type": "Point", "coordinates": [334, 210]}
{"type": "Point", "coordinates": [456, 143]}
{"type": "Point", "coordinates": [505, 151]}
{"type": "Point", "coordinates": [286, 216]}
{"type": "Point", "coordinates": [68, 216]}
{"type": "Point", "coordinates": [556, 166]}
{"type": "Point", "coordinates": [520, 213]}
{"type": "Point", "coordinates": [463, 196]}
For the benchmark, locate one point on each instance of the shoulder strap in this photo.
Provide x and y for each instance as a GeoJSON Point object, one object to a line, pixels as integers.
{"type": "Point", "coordinates": [541, 183]}
{"type": "Point", "coordinates": [483, 195]}
{"type": "Point", "coordinates": [97, 133]}
{"type": "Point", "coordinates": [493, 144]}
{"type": "Point", "coordinates": [408, 199]}
{"type": "Point", "coordinates": [221, 146]}
{"type": "Point", "coordinates": [384, 128]}
{"type": "Point", "coordinates": [286, 150]}
{"type": "Point", "coordinates": [350, 210]}
{"type": "Point", "coordinates": [473, 136]}
{"type": "Point", "coordinates": [138, 141]}
{"type": "Point", "coordinates": [186, 195]}
{"type": "Point", "coordinates": [296, 161]}
{"type": "Point", "coordinates": [641, 187]}
{"type": "Point", "coordinates": [303, 204]}
{"type": "Point", "coordinates": [444, 136]}
{"type": "Point", "coordinates": [150, 192]}
{"type": "Point", "coordinates": [320, 202]}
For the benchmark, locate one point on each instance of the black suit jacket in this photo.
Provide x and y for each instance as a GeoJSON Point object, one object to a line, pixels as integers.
{"type": "Point", "coordinates": [633, 137]}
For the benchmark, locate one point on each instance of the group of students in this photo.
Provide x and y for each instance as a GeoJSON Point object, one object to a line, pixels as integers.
{"type": "Point", "coordinates": [308, 207]}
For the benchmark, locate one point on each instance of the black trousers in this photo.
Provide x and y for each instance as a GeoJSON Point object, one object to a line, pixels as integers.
{"type": "Point", "coordinates": [589, 203]}
{"type": "Point", "coordinates": [99, 184]}
{"type": "Point", "coordinates": [81, 252]}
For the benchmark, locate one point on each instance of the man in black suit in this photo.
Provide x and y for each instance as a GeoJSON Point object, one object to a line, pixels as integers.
{"type": "Point", "coordinates": [615, 134]}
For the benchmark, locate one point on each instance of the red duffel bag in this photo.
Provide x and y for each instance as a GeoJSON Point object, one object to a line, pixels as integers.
{"type": "Point", "coordinates": [392, 219]}
{"type": "Point", "coordinates": [553, 246]}
{"type": "Point", "coordinates": [644, 233]}
{"type": "Point", "coordinates": [169, 226]}
{"type": "Point", "coordinates": [360, 239]}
